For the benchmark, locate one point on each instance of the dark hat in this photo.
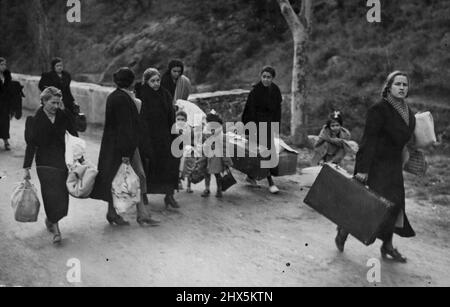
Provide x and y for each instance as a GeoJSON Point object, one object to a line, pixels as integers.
{"type": "Point", "coordinates": [124, 77]}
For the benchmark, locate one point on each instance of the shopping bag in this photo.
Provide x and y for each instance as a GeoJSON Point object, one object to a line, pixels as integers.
{"type": "Point", "coordinates": [81, 179]}
{"type": "Point", "coordinates": [25, 203]}
{"type": "Point", "coordinates": [228, 180]}
{"type": "Point", "coordinates": [417, 164]}
{"type": "Point", "coordinates": [424, 133]}
{"type": "Point", "coordinates": [126, 189]}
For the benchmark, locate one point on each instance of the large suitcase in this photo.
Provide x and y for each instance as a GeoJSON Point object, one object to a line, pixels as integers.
{"type": "Point", "coordinates": [250, 164]}
{"type": "Point", "coordinates": [349, 204]}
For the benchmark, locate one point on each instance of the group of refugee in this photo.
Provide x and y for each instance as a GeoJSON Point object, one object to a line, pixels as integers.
{"type": "Point", "coordinates": [138, 131]}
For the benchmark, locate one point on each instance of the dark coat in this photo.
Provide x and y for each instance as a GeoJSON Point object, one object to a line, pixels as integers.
{"type": "Point", "coordinates": [168, 84]}
{"type": "Point", "coordinates": [120, 139]}
{"type": "Point", "coordinates": [5, 105]}
{"type": "Point", "coordinates": [52, 79]}
{"type": "Point", "coordinates": [46, 140]}
{"type": "Point", "coordinates": [158, 115]}
{"type": "Point", "coordinates": [380, 155]}
{"type": "Point", "coordinates": [263, 105]}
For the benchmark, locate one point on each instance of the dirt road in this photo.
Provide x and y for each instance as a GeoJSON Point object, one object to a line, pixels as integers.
{"type": "Point", "coordinates": [250, 238]}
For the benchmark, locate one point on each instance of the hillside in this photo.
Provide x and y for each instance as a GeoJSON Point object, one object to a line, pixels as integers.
{"type": "Point", "coordinates": [225, 43]}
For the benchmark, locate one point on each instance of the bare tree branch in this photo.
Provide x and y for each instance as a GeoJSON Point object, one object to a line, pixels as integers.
{"type": "Point", "coordinates": [289, 14]}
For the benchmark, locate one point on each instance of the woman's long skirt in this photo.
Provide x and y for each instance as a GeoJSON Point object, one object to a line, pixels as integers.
{"type": "Point", "coordinates": [54, 192]}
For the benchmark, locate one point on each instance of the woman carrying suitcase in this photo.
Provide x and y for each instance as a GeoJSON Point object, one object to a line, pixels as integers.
{"type": "Point", "coordinates": [390, 125]}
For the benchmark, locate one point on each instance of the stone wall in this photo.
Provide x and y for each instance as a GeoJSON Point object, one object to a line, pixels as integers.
{"type": "Point", "coordinates": [92, 99]}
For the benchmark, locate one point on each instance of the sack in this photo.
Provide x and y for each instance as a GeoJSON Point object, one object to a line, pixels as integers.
{"type": "Point", "coordinates": [75, 149]}
{"type": "Point", "coordinates": [424, 133]}
{"type": "Point", "coordinates": [25, 203]}
{"type": "Point", "coordinates": [228, 180]}
{"type": "Point", "coordinates": [417, 164]}
{"type": "Point", "coordinates": [198, 174]}
{"type": "Point", "coordinates": [126, 189]}
{"type": "Point", "coordinates": [81, 180]}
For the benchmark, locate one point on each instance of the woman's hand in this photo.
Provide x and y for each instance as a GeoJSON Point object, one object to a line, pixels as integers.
{"type": "Point", "coordinates": [27, 175]}
{"type": "Point", "coordinates": [361, 177]}
{"type": "Point", "coordinates": [126, 160]}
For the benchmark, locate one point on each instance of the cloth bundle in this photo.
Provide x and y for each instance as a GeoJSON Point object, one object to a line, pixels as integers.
{"type": "Point", "coordinates": [25, 203]}
{"type": "Point", "coordinates": [424, 133]}
{"type": "Point", "coordinates": [81, 179]}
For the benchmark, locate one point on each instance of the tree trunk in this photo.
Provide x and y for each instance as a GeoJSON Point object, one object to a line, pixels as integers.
{"type": "Point", "coordinates": [300, 25]}
{"type": "Point", "coordinates": [40, 30]}
{"type": "Point", "coordinates": [299, 93]}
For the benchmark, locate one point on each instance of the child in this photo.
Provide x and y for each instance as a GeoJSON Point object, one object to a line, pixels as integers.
{"type": "Point", "coordinates": [331, 145]}
{"type": "Point", "coordinates": [188, 160]}
{"type": "Point", "coordinates": [216, 164]}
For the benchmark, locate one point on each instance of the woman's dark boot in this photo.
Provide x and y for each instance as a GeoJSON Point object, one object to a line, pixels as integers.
{"type": "Point", "coordinates": [57, 238]}
{"type": "Point", "coordinates": [393, 253]}
{"type": "Point", "coordinates": [341, 239]}
{"type": "Point", "coordinates": [113, 218]}
{"type": "Point", "coordinates": [170, 202]}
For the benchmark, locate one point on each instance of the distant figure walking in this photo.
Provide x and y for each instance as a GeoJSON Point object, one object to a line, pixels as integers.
{"type": "Point", "coordinates": [264, 106]}
{"type": "Point", "coordinates": [61, 79]}
{"type": "Point", "coordinates": [175, 82]}
{"type": "Point", "coordinates": [390, 126]}
{"type": "Point", "coordinates": [10, 102]}
{"type": "Point", "coordinates": [158, 115]}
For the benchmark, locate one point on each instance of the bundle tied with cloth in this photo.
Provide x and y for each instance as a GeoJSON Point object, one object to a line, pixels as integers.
{"type": "Point", "coordinates": [82, 173]}
{"type": "Point", "coordinates": [414, 160]}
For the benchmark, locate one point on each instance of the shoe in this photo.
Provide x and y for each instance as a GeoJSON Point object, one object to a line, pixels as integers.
{"type": "Point", "coordinates": [148, 221]}
{"type": "Point", "coordinates": [340, 240]}
{"type": "Point", "coordinates": [171, 202]}
{"type": "Point", "coordinates": [57, 238]}
{"type": "Point", "coordinates": [219, 193]}
{"type": "Point", "coordinates": [117, 220]}
{"type": "Point", "coordinates": [206, 193]}
{"type": "Point", "coordinates": [189, 191]}
{"type": "Point", "coordinates": [7, 147]}
{"type": "Point", "coordinates": [394, 254]}
{"type": "Point", "coordinates": [49, 226]}
{"type": "Point", "coordinates": [274, 189]}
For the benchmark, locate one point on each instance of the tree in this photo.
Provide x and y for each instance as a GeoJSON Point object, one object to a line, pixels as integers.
{"type": "Point", "coordinates": [300, 26]}
{"type": "Point", "coordinates": [40, 29]}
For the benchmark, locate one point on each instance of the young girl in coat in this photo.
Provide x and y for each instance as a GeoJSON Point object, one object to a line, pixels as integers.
{"type": "Point", "coordinates": [333, 141]}
{"type": "Point", "coordinates": [217, 161]}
